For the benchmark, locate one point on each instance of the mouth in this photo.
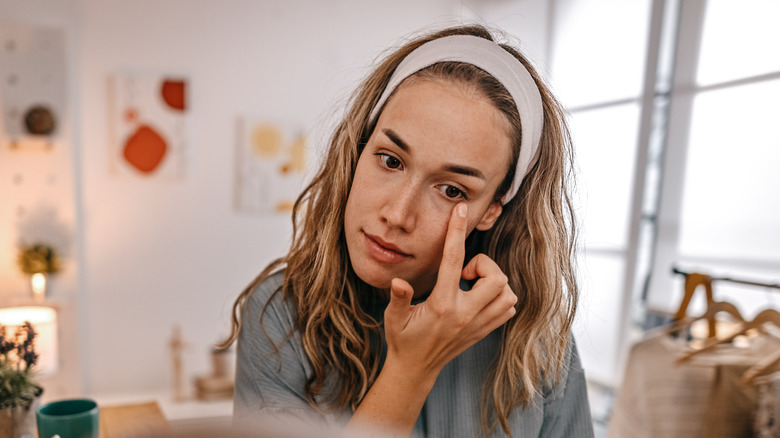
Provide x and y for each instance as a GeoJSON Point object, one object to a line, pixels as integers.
{"type": "Point", "coordinates": [385, 252]}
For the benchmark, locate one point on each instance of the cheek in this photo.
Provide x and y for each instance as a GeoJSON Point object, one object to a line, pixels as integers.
{"type": "Point", "coordinates": [352, 209]}
{"type": "Point", "coordinates": [434, 234]}
{"type": "Point", "coordinates": [360, 191]}
{"type": "Point", "coordinates": [361, 185]}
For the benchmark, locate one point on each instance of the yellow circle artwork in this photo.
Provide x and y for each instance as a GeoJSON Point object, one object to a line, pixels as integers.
{"type": "Point", "coordinates": [266, 140]}
{"type": "Point", "coordinates": [297, 152]}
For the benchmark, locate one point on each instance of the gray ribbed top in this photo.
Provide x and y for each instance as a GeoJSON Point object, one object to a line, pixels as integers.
{"type": "Point", "coordinates": [270, 386]}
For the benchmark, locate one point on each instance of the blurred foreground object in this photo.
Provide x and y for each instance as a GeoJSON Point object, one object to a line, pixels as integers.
{"type": "Point", "coordinates": [19, 391]}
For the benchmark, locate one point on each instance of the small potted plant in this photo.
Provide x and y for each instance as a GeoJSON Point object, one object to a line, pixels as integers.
{"type": "Point", "coordinates": [19, 392]}
{"type": "Point", "coordinates": [39, 260]}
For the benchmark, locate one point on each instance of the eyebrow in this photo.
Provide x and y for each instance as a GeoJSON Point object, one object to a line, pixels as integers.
{"type": "Point", "coordinates": [463, 170]}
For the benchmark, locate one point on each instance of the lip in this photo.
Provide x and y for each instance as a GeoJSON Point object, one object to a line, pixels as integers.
{"type": "Point", "coordinates": [384, 252]}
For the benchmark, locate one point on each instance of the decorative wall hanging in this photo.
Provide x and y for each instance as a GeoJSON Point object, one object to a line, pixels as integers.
{"type": "Point", "coordinates": [32, 85]}
{"type": "Point", "coordinates": [38, 261]}
{"type": "Point", "coordinates": [271, 162]}
{"type": "Point", "coordinates": [149, 114]}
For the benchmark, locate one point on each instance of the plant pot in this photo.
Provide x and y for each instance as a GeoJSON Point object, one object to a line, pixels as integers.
{"type": "Point", "coordinates": [19, 421]}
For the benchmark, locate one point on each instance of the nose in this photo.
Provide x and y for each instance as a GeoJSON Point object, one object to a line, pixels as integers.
{"type": "Point", "coordinates": [399, 211]}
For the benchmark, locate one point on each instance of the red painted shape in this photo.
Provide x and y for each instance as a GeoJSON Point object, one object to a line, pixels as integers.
{"type": "Point", "coordinates": [173, 93]}
{"type": "Point", "coordinates": [145, 149]}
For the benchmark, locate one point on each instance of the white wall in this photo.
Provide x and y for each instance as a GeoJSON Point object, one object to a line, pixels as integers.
{"type": "Point", "coordinates": [38, 198]}
{"type": "Point", "coordinates": [152, 254]}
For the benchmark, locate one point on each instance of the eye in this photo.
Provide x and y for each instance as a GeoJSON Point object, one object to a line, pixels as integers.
{"type": "Point", "coordinates": [453, 192]}
{"type": "Point", "coordinates": [389, 161]}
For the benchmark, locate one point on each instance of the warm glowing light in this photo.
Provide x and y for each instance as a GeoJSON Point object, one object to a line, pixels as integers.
{"type": "Point", "coordinates": [38, 285]}
{"type": "Point", "coordinates": [44, 321]}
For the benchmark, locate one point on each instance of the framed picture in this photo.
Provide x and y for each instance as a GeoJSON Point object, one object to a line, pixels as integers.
{"type": "Point", "coordinates": [271, 161]}
{"type": "Point", "coordinates": [149, 125]}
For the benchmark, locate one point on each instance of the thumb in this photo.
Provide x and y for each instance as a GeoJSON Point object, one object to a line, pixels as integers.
{"type": "Point", "coordinates": [401, 294]}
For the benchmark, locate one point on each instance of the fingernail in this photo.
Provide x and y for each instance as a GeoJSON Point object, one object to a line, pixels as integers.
{"type": "Point", "coordinates": [463, 209]}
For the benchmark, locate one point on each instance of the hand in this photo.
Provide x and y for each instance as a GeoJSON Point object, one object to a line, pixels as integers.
{"type": "Point", "coordinates": [423, 338]}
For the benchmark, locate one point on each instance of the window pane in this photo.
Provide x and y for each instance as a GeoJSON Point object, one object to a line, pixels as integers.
{"type": "Point", "coordinates": [740, 39]}
{"type": "Point", "coordinates": [605, 148]}
{"type": "Point", "coordinates": [598, 51]}
{"type": "Point", "coordinates": [731, 202]}
{"type": "Point", "coordinates": [601, 283]}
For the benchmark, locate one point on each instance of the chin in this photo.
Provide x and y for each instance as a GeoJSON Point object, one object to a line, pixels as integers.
{"type": "Point", "coordinates": [371, 273]}
{"type": "Point", "coordinates": [374, 279]}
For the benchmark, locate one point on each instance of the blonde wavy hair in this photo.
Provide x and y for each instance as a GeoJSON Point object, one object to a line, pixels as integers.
{"type": "Point", "coordinates": [533, 242]}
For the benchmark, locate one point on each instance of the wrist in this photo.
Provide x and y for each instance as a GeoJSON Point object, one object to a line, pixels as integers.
{"type": "Point", "coordinates": [394, 401]}
{"type": "Point", "coordinates": [412, 379]}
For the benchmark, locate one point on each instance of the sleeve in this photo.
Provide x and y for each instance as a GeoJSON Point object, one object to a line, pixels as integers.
{"type": "Point", "coordinates": [271, 364]}
{"type": "Point", "coordinates": [566, 407]}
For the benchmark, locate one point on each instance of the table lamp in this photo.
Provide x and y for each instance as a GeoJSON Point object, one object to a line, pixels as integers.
{"type": "Point", "coordinates": [38, 282]}
{"type": "Point", "coordinates": [44, 321]}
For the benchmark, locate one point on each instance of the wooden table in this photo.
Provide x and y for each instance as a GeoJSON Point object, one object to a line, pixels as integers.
{"type": "Point", "coordinates": [132, 421]}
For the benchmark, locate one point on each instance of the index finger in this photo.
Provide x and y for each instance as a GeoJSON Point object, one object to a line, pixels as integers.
{"type": "Point", "coordinates": [454, 248]}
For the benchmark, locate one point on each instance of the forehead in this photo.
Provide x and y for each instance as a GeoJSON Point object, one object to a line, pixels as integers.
{"type": "Point", "coordinates": [442, 119]}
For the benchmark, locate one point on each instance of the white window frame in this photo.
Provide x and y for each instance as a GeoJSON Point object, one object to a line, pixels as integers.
{"type": "Point", "coordinates": [636, 253]}
{"type": "Point", "coordinates": [664, 289]}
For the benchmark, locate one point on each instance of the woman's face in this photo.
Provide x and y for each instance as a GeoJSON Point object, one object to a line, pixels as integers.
{"type": "Point", "coordinates": [436, 144]}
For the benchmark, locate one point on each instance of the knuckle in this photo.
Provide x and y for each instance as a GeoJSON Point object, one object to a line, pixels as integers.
{"type": "Point", "coordinates": [487, 260]}
{"type": "Point", "coordinates": [482, 258]}
{"type": "Point", "coordinates": [499, 281]}
{"type": "Point", "coordinates": [442, 310]}
{"type": "Point", "coordinates": [508, 290]}
{"type": "Point", "coordinates": [461, 321]}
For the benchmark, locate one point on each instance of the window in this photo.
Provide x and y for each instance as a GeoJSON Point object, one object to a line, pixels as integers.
{"type": "Point", "coordinates": [719, 212]}
{"type": "Point", "coordinates": [673, 107]}
{"type": "Point", "coordinates": [598, 59]}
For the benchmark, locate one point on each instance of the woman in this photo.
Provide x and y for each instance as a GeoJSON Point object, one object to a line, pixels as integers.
{"type": "Point", "coordinates": [429, 288]}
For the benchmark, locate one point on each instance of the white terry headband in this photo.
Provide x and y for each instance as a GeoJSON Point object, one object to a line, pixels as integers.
{"type": "Point", "coordinates": [497, 62]}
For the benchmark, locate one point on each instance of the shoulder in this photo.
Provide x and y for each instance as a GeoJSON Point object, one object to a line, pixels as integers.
{"type": "Point", "coordinates": [571, 374]}
{"type": "Point", "coordinates": [265, 294]}
{"type": "Point", "coordinates": [271, 363]}
{"type": "Point", "coordinates": [266, 289]}
{"type": "Point", "coordinates": [266, 312]}
{"type": "Point", "coordinates": [268, 339]}
{"type": "Point", "coordinates": [566, 406]}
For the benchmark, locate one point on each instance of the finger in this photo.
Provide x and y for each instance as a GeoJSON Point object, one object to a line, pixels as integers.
{"type": "Point", "coordinates": [492, 280]}
{"type": "Point", "coordinates": [482, 266]}
{"type": "Point", "coordinates": [401, 294]}
{"type": "Point", "coordinates": [454, 248]}
{"type": "Point", "coordinates": [496, 313]}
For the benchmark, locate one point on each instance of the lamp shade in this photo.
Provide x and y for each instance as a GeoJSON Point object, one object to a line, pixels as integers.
{"type": "Point", "coordinates": [44, 321]}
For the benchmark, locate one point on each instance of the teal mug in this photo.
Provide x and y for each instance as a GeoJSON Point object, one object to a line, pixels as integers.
{"type": "Point", "coordinates": [74, 418]}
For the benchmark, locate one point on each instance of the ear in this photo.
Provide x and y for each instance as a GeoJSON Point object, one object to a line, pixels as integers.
{"type": "Point", "coordinates": [490, 216]}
